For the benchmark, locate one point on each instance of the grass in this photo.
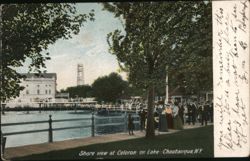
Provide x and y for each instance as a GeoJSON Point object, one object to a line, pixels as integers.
{"type": "Point", "coordinates": [191, 139]}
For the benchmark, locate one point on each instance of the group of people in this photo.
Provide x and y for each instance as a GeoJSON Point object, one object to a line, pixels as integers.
{"type": "Point", "coordinates": [169, 117]}
{"type": "Point", "coordinates": [175, 115]}
{"type": "Point", "coordinates": [131, 126]}
{"type": "Point", "coordinates": [202, 113]}
{"type": "Point", "coordinates": [191, 113]}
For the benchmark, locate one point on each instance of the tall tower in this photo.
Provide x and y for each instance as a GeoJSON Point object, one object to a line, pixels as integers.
{"type": "Point", "coordinates": [80, 75]}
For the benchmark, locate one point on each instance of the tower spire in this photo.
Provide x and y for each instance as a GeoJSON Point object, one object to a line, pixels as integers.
{"type": "Point", "coordinates": [80, 75]}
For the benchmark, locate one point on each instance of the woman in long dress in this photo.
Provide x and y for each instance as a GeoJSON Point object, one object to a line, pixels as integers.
{"type": "Point", "coordinates": [169, 116]}
{"type": "Point", "coordinates": [163, 126]}
{"type": "Point", "coordinates": [177, 120]}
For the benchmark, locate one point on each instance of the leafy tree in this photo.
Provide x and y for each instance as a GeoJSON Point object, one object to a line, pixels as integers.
{"type": "Point", "coordinates": [109, 88]}
{"type": "Point", "coordinates": [134, 91]}
{"type": "Point", "coordinates": [27, 30]}
{"type": "Point", "coordinates": [158, 34]}
{"type": "Point", "coordinates": [195, 74]}
{"type": "Point", "coordinates": [79, 91]}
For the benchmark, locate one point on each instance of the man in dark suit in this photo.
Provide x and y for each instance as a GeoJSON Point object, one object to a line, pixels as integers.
{"type": "Point", "coordinates": [193, 113]}
{"type": "Point", "coordinates": [181, 113]}
{"type": "Point", "coordinates": [212, 112]}
{"type": "Point", "coordinates": [189, 107]}
{"type": "Point", "coordinates": [204, 114]}
{"type": "Point", "coordinates": [142, 115]}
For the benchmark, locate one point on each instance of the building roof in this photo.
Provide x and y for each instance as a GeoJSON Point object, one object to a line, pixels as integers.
{"type": "Point", "coordinates": [39, 75]}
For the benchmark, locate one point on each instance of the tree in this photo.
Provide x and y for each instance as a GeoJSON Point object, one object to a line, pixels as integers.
{"type": "Point", "coordinates": [27, 30]}
{"type": "Point", "coordinates": [134, 91]}
{"type": "Point", "coordinates": [195, 74]}
{"type": "Point", "coordinates": [157, 34]}
{"type": "Point", "coordinates": [109, 88]}
{"type": "Point", "coordinates": [79, 91]}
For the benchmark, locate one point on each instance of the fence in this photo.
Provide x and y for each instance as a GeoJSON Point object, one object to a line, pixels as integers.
{"type": "Point", "coordinates": [95, 122]}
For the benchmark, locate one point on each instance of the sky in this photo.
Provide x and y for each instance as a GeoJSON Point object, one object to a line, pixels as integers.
{"type": "Point", "coordinates": [89, 47]}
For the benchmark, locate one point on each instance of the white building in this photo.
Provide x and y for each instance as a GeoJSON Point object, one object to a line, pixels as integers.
{"type": "Point", "coordinates": [38, 88]}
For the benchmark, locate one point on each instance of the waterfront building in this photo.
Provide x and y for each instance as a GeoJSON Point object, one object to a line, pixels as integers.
{"type": "Point", "coordinates": [37, 88]}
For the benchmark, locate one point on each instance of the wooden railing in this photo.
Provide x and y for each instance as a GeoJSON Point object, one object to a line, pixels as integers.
{"type": "Point", "coordinates": [50, 130]}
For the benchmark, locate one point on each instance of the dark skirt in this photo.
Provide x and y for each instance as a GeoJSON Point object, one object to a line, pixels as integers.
{"type": "Point", "coordinates": [163, 126]}
{"type": "Point", "coordinates": [169, 121]}
{"type": "Point", "coordinates": [178, 123]}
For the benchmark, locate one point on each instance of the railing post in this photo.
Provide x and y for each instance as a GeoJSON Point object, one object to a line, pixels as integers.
{"type": "Point", "coordinates": [92, 125]}
{"type": "Point", "coordinates": [125, 122]}
{"type": "Point", "coordinates": [3, 143]}
{"type": "Point", "coordinates": [40, 107]}
{"type": "Point", "coordinates": [50, 130]}
{"type": "Point", "coordinates": [3, 108]}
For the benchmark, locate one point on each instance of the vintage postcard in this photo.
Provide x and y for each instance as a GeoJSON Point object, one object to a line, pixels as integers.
{"type": "Point", "coordinates": [124, 80]}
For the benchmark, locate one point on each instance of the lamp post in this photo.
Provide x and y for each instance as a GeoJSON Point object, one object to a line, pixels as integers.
{"type": "Point", "coordinates": [166, 99]}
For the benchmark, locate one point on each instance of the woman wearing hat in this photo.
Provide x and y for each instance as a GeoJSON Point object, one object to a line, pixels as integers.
{"type": "Point", "coordinates": [169, 116]}
{"type": "Point", "coordinates": [177, 123]}
{"type": "Point", "coordinates": [163, 126]}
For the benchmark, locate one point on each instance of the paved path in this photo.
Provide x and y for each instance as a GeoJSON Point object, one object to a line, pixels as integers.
{"type": "Point", "coordinates": [21, 151]}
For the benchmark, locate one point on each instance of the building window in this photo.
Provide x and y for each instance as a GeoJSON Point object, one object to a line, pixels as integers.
{"type": "Point", "coordinates": [49, 91]}
{"type": "Point", "coordinates": [46, 92]}
{"type": "Point", "coordinates": [27, 92]}
{"type": "Point", "coordinates": [38, 85]}
{"type": "Point", "coordinates": [38, 91]}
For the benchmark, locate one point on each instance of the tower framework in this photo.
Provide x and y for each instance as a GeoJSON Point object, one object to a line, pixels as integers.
{"type": "Point", "coordinates": [80, 75]}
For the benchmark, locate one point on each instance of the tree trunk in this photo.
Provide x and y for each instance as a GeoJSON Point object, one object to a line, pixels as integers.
{"type": "Point", "coordinates": [1, 59]}
{"type": "Point", "coordinates": [150, 131]}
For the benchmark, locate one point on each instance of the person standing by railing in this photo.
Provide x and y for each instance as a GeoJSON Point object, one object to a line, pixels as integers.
{"type": "Point", "coordinates": [130, 124]}
{"type": "Point", "coordinates": [142, 115]}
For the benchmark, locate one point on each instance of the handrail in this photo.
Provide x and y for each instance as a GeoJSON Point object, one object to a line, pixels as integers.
{"type": "Point", "coordinates": [115, 117]}
{"type": "Point", "coordinates": [46, 121]}
{"type": "Point", "coordinates": [70, 127]}
{"type": "Point", "coordinates": [75, 119]}
{"type": "Point", "coordinates": [23, 123]}
{"type": "Point", "coordinates": [109, 124]}
{"type": "Point", "coordinates": [24, 132]}
{"type": "Point", "coordinates": [50, 130]}
{"type": "Point", "coordinates": [43, 130]}
{"type": "Point", "coordinates": [62, 120]}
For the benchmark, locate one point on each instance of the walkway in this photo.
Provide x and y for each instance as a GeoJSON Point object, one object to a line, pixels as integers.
{"type": "Point", "coordinates": [21, 151]}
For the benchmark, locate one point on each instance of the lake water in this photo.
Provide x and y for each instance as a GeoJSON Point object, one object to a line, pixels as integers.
{"type": "Point", "coordinates": [42, 137]}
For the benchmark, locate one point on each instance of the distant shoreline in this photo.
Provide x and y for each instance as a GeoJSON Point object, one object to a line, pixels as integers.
{"type": "Point", "coordinates": [90, 109]}
{"type": "Point", "coordinates": [48, 109]}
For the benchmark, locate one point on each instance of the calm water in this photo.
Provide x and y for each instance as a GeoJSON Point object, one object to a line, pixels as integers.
{"type": "Point", "coordinates": [42, 137]}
